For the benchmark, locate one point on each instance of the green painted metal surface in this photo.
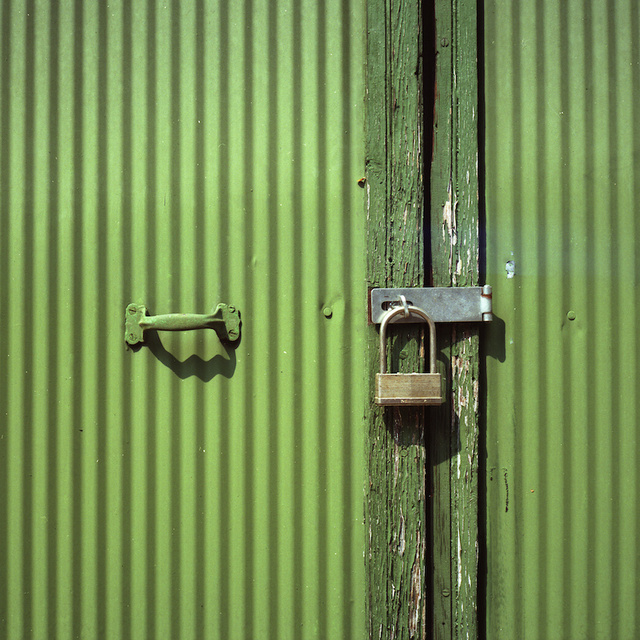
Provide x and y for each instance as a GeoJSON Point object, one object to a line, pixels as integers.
{"type": "Point", "coordinates": [179, 155]}
{"type": "Point", "coordinates": [562, 90]}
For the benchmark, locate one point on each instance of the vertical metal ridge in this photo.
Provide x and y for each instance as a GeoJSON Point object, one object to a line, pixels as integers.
{"type": "Point", "coordinates": [53, 355]}
{"type": "Point", "coordinates": [274, 348]}
{"type": "Point", "coordinates": [323, 235]}
{"type": "Point", "coordinates": [616, 355]}
{"type": "Point", "coordinates": [201, 302]}
{"type": "Point", "coordinates": [127, 443]}
{"type": "Point", "coordinates": [544, 76]}
{"type": "Point", "coordinates": [6, 431]}
{"type": "Point", "coordinates": [634, 21]}
{"type": "Point", "coordinates": [39, 388]}
{"type": "Point", "coordinates": [250, 586]}
{"type": "Point", "coordinates": [350, 311]}
{"type": "Point", "coordinates": [299, 605]}
{"type": "Point", "coordinates": [161, 294]}
{"type": "Point", "coordinates": [78, 302]}
{"type": "Point", "coordinates": [518, 394]}
{"type": "Point", "coordinates": [493, 87]}
{"type": "Point", "coordinates": [224, 212]}
{"type": "Point", "coordinates": [101, 362]}
{"type": "Point", "coordinates": [177, 300]}
{"type": "Point", "coordinates": [567, 265]}
{"type": "Point", "coordinates": [27, 334]}
{"type": "Point", "coordinates": [151, 267]}
{"type": "Point", "coordinates": [590, 316]}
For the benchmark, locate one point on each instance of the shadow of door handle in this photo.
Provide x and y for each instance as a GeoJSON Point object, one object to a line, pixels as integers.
{"type": "Point", "coordinates": [224, 320]}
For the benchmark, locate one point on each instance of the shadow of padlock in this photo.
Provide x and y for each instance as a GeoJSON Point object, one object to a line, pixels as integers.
{"type": "Point", "coordinates": [411, 389]}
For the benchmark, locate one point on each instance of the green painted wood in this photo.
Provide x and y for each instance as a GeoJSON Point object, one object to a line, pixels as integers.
{"type": "Point", "coordinates": [455, 250]}
{"type": "Point", "coordinates": [396, 496]}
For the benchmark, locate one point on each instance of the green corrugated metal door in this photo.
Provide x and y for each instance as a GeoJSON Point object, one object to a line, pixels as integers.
{"type": "Point", "coordinates": [562, 179]}
{"type": "Point", "coordinates": [178, 155]}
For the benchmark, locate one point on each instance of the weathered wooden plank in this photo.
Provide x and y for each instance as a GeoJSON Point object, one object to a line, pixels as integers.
{"type": "Point", "coordinates": [395, 501]}
{"type": "Point", "coordinates": [455, 251]}
{"type": "Point", "coordinates": [439, 443]}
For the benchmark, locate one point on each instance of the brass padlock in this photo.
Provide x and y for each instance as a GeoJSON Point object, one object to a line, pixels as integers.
{"type": "Point", "coordinates": [408, 388]}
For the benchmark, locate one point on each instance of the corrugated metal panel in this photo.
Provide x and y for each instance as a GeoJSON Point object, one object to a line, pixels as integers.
{"type": "Point", "coordinates": [563, 173]}
{"type": "Point", "coordinates": [181, 154]}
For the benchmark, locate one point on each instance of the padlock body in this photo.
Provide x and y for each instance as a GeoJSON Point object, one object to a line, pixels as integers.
{"type": "Point", "coordinates": [408, 389]}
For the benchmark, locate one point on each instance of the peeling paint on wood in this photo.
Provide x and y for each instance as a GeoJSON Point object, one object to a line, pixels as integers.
{"type": "Point", "coordinates": [455, 254]}
{"type": "Point", "coordinates": [395, 501]}
{"type": "Point", "coordinates": [415, 597]}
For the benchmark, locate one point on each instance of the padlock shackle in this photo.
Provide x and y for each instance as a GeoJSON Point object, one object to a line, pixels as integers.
{"type": "Point", "coordinates": [396, 311]}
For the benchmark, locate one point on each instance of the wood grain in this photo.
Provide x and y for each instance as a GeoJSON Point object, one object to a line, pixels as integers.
{"type": "Point", "coordinates": [395, 497]}
{"type": "Point", "coordinates": [455, 250]}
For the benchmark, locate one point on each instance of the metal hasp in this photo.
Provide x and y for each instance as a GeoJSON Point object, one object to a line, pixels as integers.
{"type": "Point", "coordinates": [444, 304]}
{"type": "Point", "coordinates": [224, 320]}
{"type": "Point", "coordinates": [411, 389]}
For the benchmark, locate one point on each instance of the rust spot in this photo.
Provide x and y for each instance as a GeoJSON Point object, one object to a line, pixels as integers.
{"type": "Point", "coordinates": [506, 486]}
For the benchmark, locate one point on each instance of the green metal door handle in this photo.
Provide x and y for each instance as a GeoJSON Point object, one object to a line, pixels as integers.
{"type": "Point", "coordinates": [225, 321]}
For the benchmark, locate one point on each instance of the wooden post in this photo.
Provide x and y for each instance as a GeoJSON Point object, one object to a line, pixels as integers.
{"type": "Point", "coordinates": [396, 498]}
{"type": "Point", "coordinates": [422, 498]}
{"type": "Point", "coordinates": [455, 251]}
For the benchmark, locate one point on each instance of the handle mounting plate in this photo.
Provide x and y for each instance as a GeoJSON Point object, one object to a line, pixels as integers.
{"type": "Point", "coordinates": [224, 320]}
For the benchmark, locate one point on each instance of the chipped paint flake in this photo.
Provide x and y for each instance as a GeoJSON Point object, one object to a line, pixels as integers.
{"type": "Point", "coordinates": [459, 561]}
{"type": "Point", "coordinates": [510, 268]}
{"type": "Point", "coordinates": [415, 595]}
{"type": "Point", "coordinates": [449, 226]}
